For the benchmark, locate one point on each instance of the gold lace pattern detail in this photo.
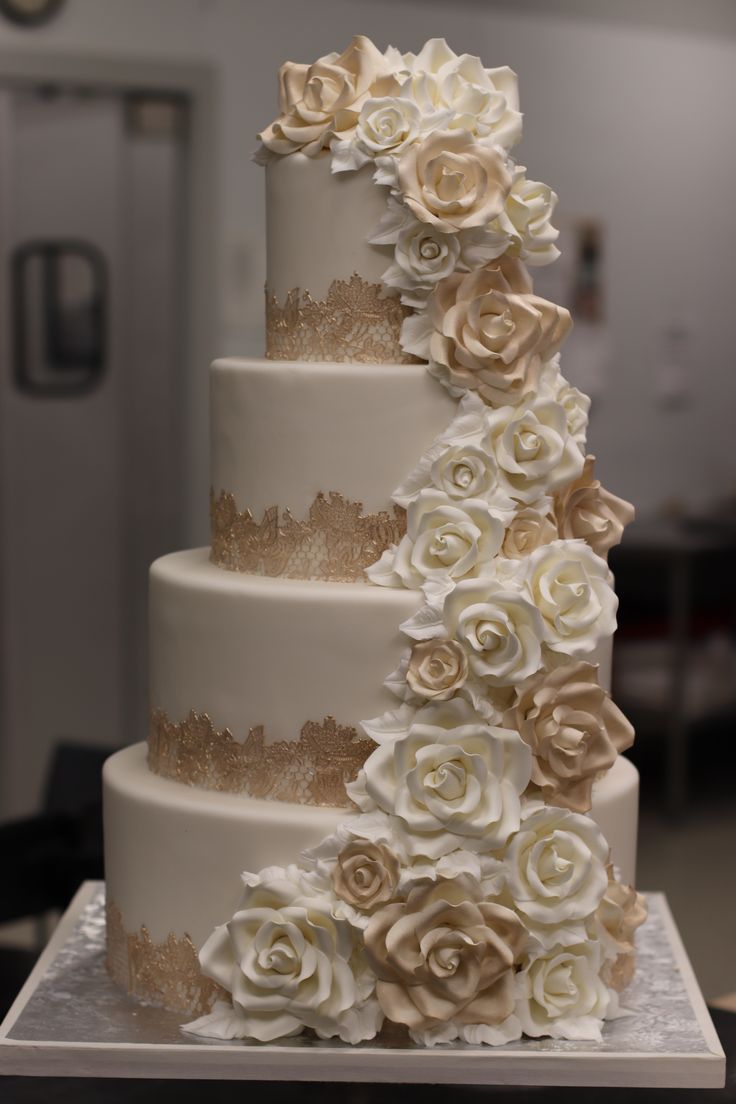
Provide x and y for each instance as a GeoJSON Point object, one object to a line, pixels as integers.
{"type": "Point", "coordinates": [167, 974]}
{"type": "Point", "coordinates": [336, 541]}
{"type": "Point", "coordinates": [312, 770]}
{"type": "Point", "coordinates": [355, 323]}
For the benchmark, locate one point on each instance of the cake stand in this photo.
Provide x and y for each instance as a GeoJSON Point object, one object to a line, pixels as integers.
{"type": "Point", "coordinates": [70, 1020]}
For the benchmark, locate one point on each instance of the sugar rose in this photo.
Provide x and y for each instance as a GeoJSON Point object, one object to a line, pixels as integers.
{"type": "Point", "coordinates": [437, 669]}
{"type": "Point", "coordinates": [424, 254]}
{"type": "Point", "coordinates": [572, 589]}
{"type": "Point", "coordinates": [485, 101]}
{"type": "Point", "coordinates": [528, 529]}
{"type": "Point", "coordinates": [286, 960]}
{"type": "Point", "coordinates": [556, 866]}
{"type": "Point", "coordinates": [621, 911]}
{"type": "Point", "coordinates": [574, 731]}
{"type": "Point", "coordinates": [445, 955]}
{"type": "Point", "coordinates": [526, 219]}
{"type": "Point", "coordinates": [533, 447]}
{"type": "Point", "coordinates": [464, 471]}
{"type": "Point", "coordinates": [445, 539]}
{"type": "Point", "coordinates": [586, 510]}
{"type": "Point", "coordinates": [449, 787]}
{"type": "Point", "coordinates": [576, 405]}
{"type": "Point", "coordinates": [560, 993]}
{"type": "Point", "coordinates": [500, 630]}
{"type": "Point", "coordinates": [365, 874]}
{"type": "Point", "coordinates": [453, 182]}
{"type": "Point", "coordinates": [324, 99]}
{"type": "Point", "coordinates": [490, 334]}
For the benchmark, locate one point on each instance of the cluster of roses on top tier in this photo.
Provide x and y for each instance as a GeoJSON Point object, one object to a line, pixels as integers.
{"type": "Point", "coordinates": [471, 898]}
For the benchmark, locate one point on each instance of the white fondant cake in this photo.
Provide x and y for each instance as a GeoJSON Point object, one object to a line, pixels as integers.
{"type": "Point", "coordinates": [380, 700]}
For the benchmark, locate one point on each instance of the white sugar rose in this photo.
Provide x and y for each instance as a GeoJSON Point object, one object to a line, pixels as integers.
{"type": "Point", "coordinates": [464, 471]}
{"type": "Point", "coordinates": [458, 464]}
{"type": "Point", "coordinates": [572, 589]}
{"type": "Point", "coordinates": [449, 787]}
{"type": "Point", "coordinates": [533, 448]}
{"type": "Point", "coordinates": [499, 628]}
{"type": "Point", "coordinates": [526, 220]}
{"type": "Point", "coordinates": [452, 182]}
{"type": "Point", "coordinates": [445, 540]}
{"type": "Point", "coordinates": [556, 865]}
{"type": "Point", "coordinates": [424, 254]}
{"type": "Point", "coordinates": [560, 994]}
{"type": "Point", "coordinates": [323, 100]}
{"type": "Point", "coordinates": [487, 332]}
{"type": "Point", "coordinates": [385, 126]}
{"type": "Point", "coordinates": [289, 963]}
{"type": "Point", "coordinates": [554, 386]}
{"type": "Point", "coordinates": [484, 101]}
{"type": "Point", "coordinates": [388, 123]}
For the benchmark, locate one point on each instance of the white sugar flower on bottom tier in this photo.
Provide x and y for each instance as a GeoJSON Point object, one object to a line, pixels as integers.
{"type": "Point", "coordinates": [288, 963]}
{"type": "Point", "coordinates": [560, 994]}
{"type": "Point", "coordinates": [556, 866]}
{"type": "Point", "coordinates": [453, 783]}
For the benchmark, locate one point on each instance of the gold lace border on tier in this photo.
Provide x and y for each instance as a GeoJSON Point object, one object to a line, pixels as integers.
{"type": "Point", "coordinates": [336, 541]}
{"type": "Point", "coordinates": [312, 770]}
{"type": "Point", "coordinates": [167, 974]}
{"type": "Point", "coordinates": [356, 322]}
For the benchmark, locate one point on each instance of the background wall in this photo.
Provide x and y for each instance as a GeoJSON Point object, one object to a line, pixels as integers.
{"type": "Point", "coordinates": [624, 110]}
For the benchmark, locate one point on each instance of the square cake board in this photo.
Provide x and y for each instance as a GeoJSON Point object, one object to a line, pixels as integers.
{"type": "Point", "coordinates": [69, 1019]}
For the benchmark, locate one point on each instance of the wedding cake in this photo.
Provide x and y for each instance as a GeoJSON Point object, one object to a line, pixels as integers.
{"type": "Point", "coordinates": [382, 781]}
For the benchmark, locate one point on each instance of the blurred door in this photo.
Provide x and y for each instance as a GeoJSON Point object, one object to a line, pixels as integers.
{"type": "Point", "coordinates": [91, 257]}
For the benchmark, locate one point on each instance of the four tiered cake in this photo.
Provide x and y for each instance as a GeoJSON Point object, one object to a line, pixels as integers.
{"type": "Point", "coordinates": [382, 693]}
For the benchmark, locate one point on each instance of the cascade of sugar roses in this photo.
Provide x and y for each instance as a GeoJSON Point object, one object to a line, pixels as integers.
{"type": "Point", "coordinates": [469, 896]}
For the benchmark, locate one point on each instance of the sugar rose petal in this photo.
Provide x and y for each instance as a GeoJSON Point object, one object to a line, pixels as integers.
{"type": "Point", "coordinates": [621, 911]}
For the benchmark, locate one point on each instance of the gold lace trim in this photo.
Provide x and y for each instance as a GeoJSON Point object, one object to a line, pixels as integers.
{"type": "Point", "coordinates": [336, 541]}
{"type": "Point", "coordinates": [167, 974]}
{"type": "Point", "coordinates": [312, 770]}
{"type": "Point", "coordinates": [355, 323]}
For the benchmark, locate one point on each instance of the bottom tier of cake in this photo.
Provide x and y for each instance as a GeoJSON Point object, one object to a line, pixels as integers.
{"type": "Point", "coordinates": [173, 856]}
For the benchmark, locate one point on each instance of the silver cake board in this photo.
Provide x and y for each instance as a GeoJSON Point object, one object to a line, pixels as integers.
{"type": "Point", "coordinates": [69, 1019]}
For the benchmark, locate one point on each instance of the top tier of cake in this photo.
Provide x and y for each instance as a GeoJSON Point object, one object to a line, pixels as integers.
{"type": "Point", "coordinates": [324, 297]}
